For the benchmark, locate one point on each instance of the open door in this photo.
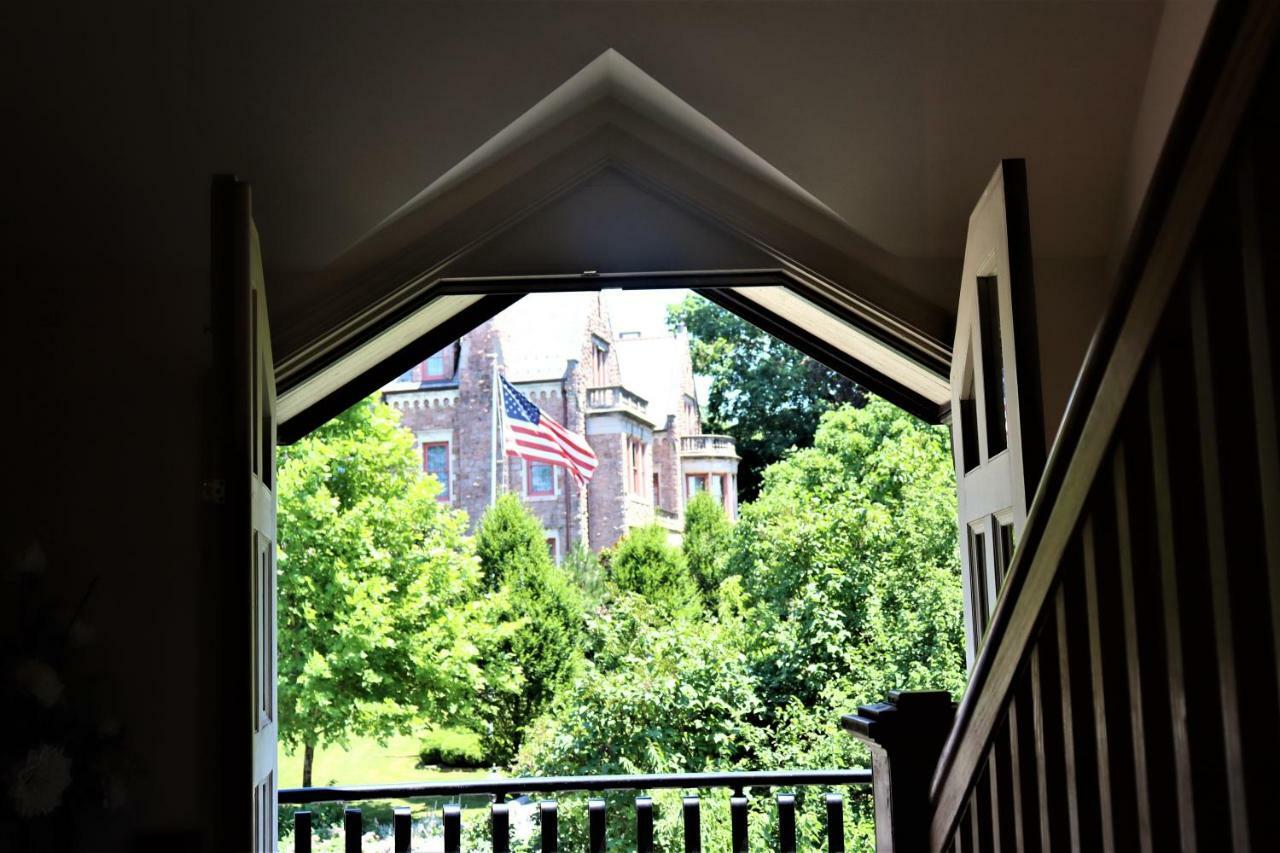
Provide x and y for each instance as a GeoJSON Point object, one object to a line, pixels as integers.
{"type": "Point", "coordinates": [997, 419]}
{"type": "Point", "coordinates": [247, 391]}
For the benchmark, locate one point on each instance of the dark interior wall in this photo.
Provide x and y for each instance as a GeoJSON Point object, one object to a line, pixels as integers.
{"type": "Point", "coordinates": [1071, 296]}
{"type": "Point", "coordinates": [103, 471]}
{"type": "Point", "coordinates": [123, 111]}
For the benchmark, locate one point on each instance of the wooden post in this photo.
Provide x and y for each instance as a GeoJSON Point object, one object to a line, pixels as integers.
{"type": "Point", "coordinates": [905, 735]}
{"type": "Point", "coordinates": [644, 825]}
{"type": "Point", "coordinates": [402, 821]}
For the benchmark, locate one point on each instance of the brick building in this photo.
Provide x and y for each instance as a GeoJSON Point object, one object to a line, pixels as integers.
{"type": "Point", "coordinates": [632, 395]}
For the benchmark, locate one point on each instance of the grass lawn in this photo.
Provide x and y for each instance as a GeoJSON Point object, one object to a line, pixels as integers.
{"type": "Point", "coordinates": [367, 762]}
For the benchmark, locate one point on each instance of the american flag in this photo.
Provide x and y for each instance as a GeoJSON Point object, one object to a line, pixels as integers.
{"type": "Point", "coordinates": [530, 434]}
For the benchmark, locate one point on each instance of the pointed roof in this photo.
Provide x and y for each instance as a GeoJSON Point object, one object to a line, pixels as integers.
{"type": "Point", "coordinates": [657, 369]}
{"type": "Point", "coordinates": [542, 332]}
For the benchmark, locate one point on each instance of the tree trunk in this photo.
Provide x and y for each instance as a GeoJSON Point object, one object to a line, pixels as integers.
{"type": "Point", "coordinates": [308, 758]}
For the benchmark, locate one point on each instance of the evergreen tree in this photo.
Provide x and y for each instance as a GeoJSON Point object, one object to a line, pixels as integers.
{"type": "Point", "coordinates": [645, 563]}
{"type": "Point", "coordinates": [534, 643]}
{"type": "Point", "coordinates": [707, 533]}
{"type": "Point", "coordinates": [509, 536]}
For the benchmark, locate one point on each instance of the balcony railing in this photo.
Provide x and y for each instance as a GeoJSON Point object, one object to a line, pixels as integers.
{"type": "Point", "coordinates": [783, 782]}
{"type": "Point", "coordinates": [708, 445]}
{"type": "Point", "coordinates": [614, 397]}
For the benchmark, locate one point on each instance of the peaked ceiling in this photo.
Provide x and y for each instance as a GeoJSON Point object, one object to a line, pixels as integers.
{"type": "Point", "coordinates": [851, 138]}
{"type": "Point", "coordinates": [612, 173]}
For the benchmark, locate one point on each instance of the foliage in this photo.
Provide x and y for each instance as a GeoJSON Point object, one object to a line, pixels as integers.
{"type": "Point", "coordinates": [707, 533]}
{"type": "Point", "coordinates": [371, 570]}
{"type": "Point", "coordinates": [529, 631]}
{"type": "Point", "coordinates": [739, 650]}
{"type": "Point", "coordinates": [588, 573]}
{"type": "Point", "coordinates": [452, 748]}
{"type": "Point", "coordinates": [766, 394]}
{"type": "Point", "coordinates": [509, 537]}
{"type": "Point", "coordinates": [850, 552]}
{"type": "Point", "coordinates": [645, 563]}
{"type": "Point", "coordinates": [658, 696]}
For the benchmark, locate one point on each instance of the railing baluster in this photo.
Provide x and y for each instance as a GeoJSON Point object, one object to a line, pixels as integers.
{"type": "Point", "coordinates": [596, 814]}
{"type": "Point", "coordinates": [738, 822]}
{"type": "Point", "coordinates": [500, 815]}
{"type": "Point", "coordinates": [402, 822]}
{"type": "Point", "coordinates": [787, 823]}
{"type": "Point", "coordinates": [352, 829]}
{"type": "Point", "coordinates": [452, 828]}
{"type": "Point", "coordinates": [550, 827]}
{"type": "Point", "coordinates": [835, 823]}
{"type": "Point", "coordinates": [692, 826]}
{"type": "Point", "coordinates": [302, 832]}
{"type": "Point", "coordinates": [500, 826]}
{"type": "Point", "coordinates": [644, 825]}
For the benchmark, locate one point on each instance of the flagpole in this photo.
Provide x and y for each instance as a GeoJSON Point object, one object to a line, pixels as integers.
{"type": "Point", "coordinates": [493, 457]}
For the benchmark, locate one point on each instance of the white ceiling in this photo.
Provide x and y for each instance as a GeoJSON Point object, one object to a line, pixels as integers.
{"type": "Point", "coordinates": [892, 114]}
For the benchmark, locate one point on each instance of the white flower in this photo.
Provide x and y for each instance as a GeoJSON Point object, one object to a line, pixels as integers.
{"type": "Point", "coordinates": [39, 781]}
{"type": "Point", "coordinates": [39, 680]}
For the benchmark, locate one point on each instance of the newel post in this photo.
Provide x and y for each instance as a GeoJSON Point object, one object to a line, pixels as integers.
{"type": "Point", "coordinates": [905, 735]}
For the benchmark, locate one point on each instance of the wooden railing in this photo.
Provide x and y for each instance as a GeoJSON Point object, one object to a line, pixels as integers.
{"type": "Point", "coordinates": [1128, 694]}
{"type": "Point", "coordinates": [616, 397]}
{"type": "Point", "coordinates": [784, 782]}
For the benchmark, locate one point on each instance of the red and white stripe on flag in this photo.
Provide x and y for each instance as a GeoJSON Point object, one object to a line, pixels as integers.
{"type": "Point", "coordinates": [547, 441]}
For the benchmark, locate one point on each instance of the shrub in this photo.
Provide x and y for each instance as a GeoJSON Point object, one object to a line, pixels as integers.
{"type": "Point", "coordinates": [647, 564]}
{"type": "Point", "coordinates": [452, 748]}
{"type": "Point", "coordinates": [585, 568]}
{"type": "Point", "coordinates": [532, 644]}
{"type": "Point", "coordinates": [509, 537]}
{"type": "Point", "coordinates": [661, 695]}
{"type": "Point", "coordinates": [707, 534]}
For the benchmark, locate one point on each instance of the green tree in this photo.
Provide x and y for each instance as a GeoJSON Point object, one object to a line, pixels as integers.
{"type": "Point", "coordinates": [586, 570]}
{"type": "Point", "coordinates": [659, 695]}
{"type": "Point", "coordinates": [372, 571]}
{"type": "Point", "coordinates": [707, 533]}
{"type": "Point", "coordinates": [850, 553]}
{"type": "Point", "coordinates": [766, 394]}
{"type": "Point", "coordinates": [530, 632]}
{"type": "Point", "coordinates": [645, 563]}
{"type": "Point", "coordinates": [509, 536]}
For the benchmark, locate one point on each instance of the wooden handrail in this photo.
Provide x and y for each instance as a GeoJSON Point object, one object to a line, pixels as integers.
{"type": "Point", "coordinates": [1230, 63]}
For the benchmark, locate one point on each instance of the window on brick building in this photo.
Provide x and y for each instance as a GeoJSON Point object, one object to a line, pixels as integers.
{"type": "Point", "coordinates": [600, 362]}
{"type": "Point", "coordinates": [553, 547]}
{"type": "Point", "coordinates": [715, 485]}
{"type": "Point", "coordinates": [694, 483]}
{"type": "Point", "coordinates": [433, 368]}
{"type": "Point", "coordinates": [541, 479]}
{"type": "Point", "coordinates": [657, 490]}
{"type": "Point", "coordinates": [635, 458]}
{"type": "Point", "coordinates": [435, 461]}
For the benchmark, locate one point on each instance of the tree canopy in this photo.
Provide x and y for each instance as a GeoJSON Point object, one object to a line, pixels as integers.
{"type": "Point", "coordinates": [645, 563]}
{"type": "Point", "coordinates": [766, 394]}
{"type": "Point", "coordinates": [371, 571]}
{"type": "Point", "coordinates": [840, 582]}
